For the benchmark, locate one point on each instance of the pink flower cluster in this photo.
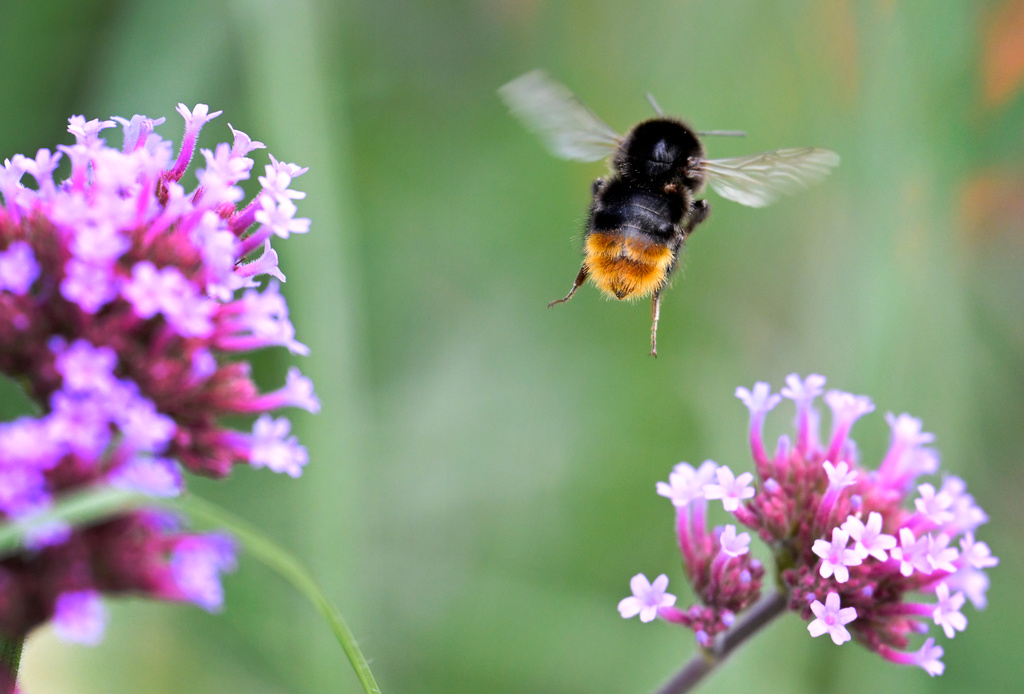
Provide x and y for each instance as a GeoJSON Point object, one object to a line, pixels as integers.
{"type": "Point", "coordinates": [855, 555]}
{"type": "Point", "coordinates": [717, 563]}
{"type": "Point", "coordinates": [123, 296]}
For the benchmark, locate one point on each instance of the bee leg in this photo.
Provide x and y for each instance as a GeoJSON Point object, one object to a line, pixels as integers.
{"type": "Point", "coordinates": [655, 314]}
{"type": "Point", "coordinates": [596, 186]}
{"type": "Point", "coordinates": [699, 211]}
{"type": "Point", "coordinates": [580, 279]}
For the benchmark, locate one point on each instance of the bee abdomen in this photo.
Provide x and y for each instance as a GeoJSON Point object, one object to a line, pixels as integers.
{"type": "Point", "coordinates": [626, 266]}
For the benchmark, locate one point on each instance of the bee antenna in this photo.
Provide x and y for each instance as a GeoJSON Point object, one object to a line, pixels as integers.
{"type": "Point", "coordinates": [654, 104]}
{"type": "Point", "coordinates": [724, 133]}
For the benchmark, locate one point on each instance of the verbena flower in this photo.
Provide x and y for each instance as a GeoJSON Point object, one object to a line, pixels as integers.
{"type": "Point", "coordinates": [867, 555]}
{"type": "Point", "coordinates": [123, 298]}
{"type": "Point", "coordinates": [832, 619]}
{"type": "Point", "coordinates": [647, 598]}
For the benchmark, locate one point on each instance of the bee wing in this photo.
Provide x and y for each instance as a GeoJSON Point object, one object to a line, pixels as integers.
{"type": "Point", "coordinates": [569, 129]}
{"type": "Point", "coordinates": [759, 179]}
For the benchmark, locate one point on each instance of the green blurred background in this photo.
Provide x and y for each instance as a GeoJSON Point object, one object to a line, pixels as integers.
{"type": "Point", "coordinates": [481, 485]}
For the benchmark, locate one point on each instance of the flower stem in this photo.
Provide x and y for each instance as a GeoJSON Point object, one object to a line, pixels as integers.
{"type": "Point", "coordinates": [276, 558]}
{"type": "Point", "coordinates": [704, 662]}
{"type": "Point", "coordinates": [95, 504]}
{"type": "Point", "coordinates": [10, 659]}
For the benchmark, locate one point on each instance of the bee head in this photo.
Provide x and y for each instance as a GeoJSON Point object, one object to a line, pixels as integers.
{"type": "Point", "coordinates": [660, 151]}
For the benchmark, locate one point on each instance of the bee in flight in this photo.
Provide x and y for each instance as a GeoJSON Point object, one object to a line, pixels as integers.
{"type": "Point", "coordinates": [642, 213]}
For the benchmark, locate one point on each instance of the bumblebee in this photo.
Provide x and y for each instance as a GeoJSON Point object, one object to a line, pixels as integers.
{"type": "Point", "coordinates": [641, 214]}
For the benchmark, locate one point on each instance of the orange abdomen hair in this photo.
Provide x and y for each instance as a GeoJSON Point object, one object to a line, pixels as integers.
{"type": "Point", "coordinates": [627, 267]}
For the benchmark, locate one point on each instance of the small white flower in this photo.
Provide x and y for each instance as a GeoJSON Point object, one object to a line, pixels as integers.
{"type": "Point", "coordinates": [835, 557]}
{"type": "Point", "coordinates": [947, 612]}
{"type": "Point", "coordinates": [730, 489]}
{"type": "Point", "coordinates": [734, 545]}
{"type": "Point", "coordinates": [832, 619]}
{"type": "Point", "coordinates": [869, 538]}
{"type": "Point", "coordinates": [647, 598]}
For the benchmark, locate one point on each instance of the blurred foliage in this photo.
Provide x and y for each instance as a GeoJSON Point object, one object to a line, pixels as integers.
{"type": "Point", "coordinates": [482, 477]}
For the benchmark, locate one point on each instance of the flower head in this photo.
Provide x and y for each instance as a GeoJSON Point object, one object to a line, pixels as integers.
{"type": "Point", "coordinates": [832, 619]}
{"type": "Point", "coordinates": [947, 612]}
{"type": "Point", "coordinates": [124, 301]}
{"type": "Point", "coordinates": [685, 484]}
{"type": "Point", "coordinates": [647, 598]}
{"type": "Point", "coordinates": [869, 539]}
{"type": "Point", "coordinates": [734, 545]}
{"type": "Point", "coordinates": [926, 657]}
{"type": "Point", "coordinates": [858, 551]}
{"type": "Point", "coordinates": [730, 489]}
{"type": "Point", "coordinates": [835, 556]}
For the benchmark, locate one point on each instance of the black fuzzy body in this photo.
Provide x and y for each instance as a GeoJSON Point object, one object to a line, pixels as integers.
{"type": "Point", "coordinates": [661, 152]}
{"type": "Point", "coordinates": [656, 174]}
{"type": "Point", "coordinates": [642, 213]}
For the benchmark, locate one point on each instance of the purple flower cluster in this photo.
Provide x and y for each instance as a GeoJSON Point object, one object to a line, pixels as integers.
{"type": "Point", "coordinates": [123, 296]}
{"type": "Point", "coordinates": [852, 551]}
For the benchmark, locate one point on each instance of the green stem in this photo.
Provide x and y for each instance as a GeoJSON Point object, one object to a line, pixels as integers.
{"type": "Point", "coordinates": [94, 505]}
{"type": "Point", "coordinates": [704, 662]}
{"type": "Point", "coordinates": [10, 660]}
{"type": "Point", "coordinates": [274, 557]}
